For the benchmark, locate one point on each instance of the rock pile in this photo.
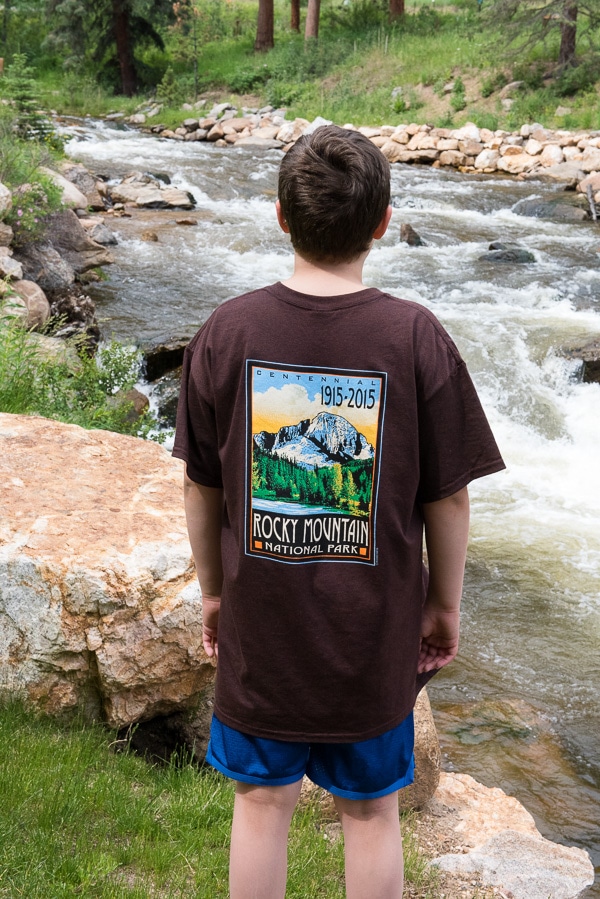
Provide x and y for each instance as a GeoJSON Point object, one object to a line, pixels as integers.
{"type": "Point", "coordinates": [534, 151]}
{"type": "Point", "coordinates": [40, 274]}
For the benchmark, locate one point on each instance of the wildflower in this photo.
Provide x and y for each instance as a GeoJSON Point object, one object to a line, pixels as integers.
{"type": "Point", "coordinates": [19, 212]}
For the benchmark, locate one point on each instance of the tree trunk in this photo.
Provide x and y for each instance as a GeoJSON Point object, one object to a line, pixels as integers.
{"type": "Point", "coordinates": [264, 26]}
{"type": "Point", "coordinates": [5, 15]}
{"type": "Point", "coordinates": [312, 19]}
{"type": "Point", "coordinates": [124, 53]}
{"type": "Point", "coordinates": [295, 17]}
{"type": "Point", "coordinates": [396, 9]}
{"type": "Point", "coordinates": [568, 35]}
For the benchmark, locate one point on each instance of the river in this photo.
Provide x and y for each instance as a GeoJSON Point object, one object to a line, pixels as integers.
{"type": "Point", "coordinates": [520, 708]}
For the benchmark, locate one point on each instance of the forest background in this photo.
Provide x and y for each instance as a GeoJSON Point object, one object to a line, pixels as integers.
{"type": "Point", "coordinates": [361, 61]}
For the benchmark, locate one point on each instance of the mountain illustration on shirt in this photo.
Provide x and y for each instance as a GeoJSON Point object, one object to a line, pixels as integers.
{"type": "Point", "coordinates": [324, 441]}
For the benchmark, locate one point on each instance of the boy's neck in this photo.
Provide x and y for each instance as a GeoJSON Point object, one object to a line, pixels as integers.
{"type": "Point", "coordinates": [322, 280]}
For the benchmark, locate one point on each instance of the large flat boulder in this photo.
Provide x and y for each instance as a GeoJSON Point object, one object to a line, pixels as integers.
{"type": "Point", "coordinates": [100, 612]}
{"type": "Point", "coordinates": [499, 842]}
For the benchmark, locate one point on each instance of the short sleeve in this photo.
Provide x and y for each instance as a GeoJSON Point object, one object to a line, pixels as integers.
{"type": "Point", "coordinates": [196, 438]}
{"type": "Point", "coordinates": [456, 444]}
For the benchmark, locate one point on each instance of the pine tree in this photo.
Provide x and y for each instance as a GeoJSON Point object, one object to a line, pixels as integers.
{"type": "Point", "coordinates": [31, 123]}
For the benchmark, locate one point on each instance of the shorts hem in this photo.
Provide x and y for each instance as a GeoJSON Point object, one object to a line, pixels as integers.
{"type": "Point", "coordinates": [405, 781]}
{"type": "Point", "coordinates": [251, 778]}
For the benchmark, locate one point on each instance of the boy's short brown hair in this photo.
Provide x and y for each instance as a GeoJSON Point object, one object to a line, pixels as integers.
{"type": "Point", "coordinates": [334, 189]}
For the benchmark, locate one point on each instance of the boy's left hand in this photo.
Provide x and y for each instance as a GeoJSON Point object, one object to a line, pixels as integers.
{"type": "Point", "coordinates": [210, 625]}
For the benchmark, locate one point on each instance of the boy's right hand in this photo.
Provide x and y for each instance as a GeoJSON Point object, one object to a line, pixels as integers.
{"type": "Point", "coordinates": [210, 625]}
{"type": "Point", "coordinates": [439, 638]}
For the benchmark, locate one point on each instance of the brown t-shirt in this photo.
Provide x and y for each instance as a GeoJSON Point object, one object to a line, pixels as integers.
{"type": "Point", "coordinates": [327, 421]}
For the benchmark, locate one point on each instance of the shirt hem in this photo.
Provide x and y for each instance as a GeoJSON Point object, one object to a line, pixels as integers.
{"type": "Point", "coordinates": [288, 736]}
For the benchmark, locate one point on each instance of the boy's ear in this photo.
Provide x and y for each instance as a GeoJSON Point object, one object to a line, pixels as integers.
{"type": "Point", "coordinates": [383, 224]}
{"type": "Point", "coordinates": [282, 222]}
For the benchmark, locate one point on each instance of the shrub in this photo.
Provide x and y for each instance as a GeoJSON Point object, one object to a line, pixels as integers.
{"type": "Point", "coordinates": [485, 120]}
{"type": "Point", "coordinates": [245, 80]}
{"type": "Point", "coordinates": [492, 83]}
{"type": "Point", "coordinates": [169, 91]}
{"type": "Point", "coordinates": [578, 79]}
{"type": "Point", "coordinates": [89, 392]}
{"type": "Point", "coordinates": [33, 203]}
{"type": "Point", "coordinates": [458, 100]}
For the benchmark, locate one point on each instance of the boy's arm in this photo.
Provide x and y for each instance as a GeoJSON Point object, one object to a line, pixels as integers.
{"type": "Point", "coordinates": [446, 535]}
{"type": "Point", "coordinates": [204, 513]}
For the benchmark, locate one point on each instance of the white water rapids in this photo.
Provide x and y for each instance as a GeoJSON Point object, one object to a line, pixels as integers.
{"type": "Point", "coordinates": [520, 709]}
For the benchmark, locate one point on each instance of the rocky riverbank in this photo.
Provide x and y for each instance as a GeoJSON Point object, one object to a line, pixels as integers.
{"type": "Point", "coordinates": [570, 159]}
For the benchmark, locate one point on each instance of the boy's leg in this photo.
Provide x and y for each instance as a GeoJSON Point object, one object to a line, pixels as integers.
{"type": "Point", "coordinates": [258, 858]}
{"type": "Point", "coordinates": [372, 847]}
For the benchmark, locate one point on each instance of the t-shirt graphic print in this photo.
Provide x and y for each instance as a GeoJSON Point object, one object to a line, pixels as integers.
{"type": "Point", "coordinates": [312, 470]}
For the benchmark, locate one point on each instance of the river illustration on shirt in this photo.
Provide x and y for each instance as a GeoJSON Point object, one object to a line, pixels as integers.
{"type": "Point", "coordinates": [313, 447]}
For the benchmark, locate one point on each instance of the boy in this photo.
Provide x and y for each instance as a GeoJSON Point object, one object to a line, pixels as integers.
{"type": "Point", "coordinates": [324, 425]}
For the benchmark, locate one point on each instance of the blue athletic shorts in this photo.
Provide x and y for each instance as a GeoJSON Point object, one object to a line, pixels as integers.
{"type": "Point", "coordinates": [364, 770]}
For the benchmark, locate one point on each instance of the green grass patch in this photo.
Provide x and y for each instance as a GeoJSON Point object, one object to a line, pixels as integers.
{"type": "Point", "coordinates": [78, 819]}
{"type": "Point", "coordinates": [67, 384]}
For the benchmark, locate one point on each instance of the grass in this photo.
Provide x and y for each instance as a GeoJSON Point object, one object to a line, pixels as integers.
{"type": "Point", "coordinates": [70, 386]}
{"type": "Point", "coordinates": [78, 819]}
{"type": "Point", "coordinates": [350, 73]}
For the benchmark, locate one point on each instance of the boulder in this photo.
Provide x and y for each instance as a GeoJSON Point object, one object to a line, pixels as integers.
{"type": "Point", "coordinates": [86, 183]}
{"type": "Point", "coordinates": [44, 265]}
{"type": "Point", "coordinates": [54, 349]}
{"type": "Point", "coordinates": [150, 193]}
{"type": "Point", "coordinates": [77, 312]}
{"type": "Point", "coordinates": [38, 307]}
{"type": "Point", "coordinates": [216, 133]}
{"type": "Point", "coordinates": [235, 125]}
{"type": "Point", "coordinates": [395, 151]}
{"type": "Point", "coordinates": [515, 163]}
{"type": "Point", "coordinates": [6, 235]}
{"type": "Point", "coordinates": [566, 174]}
{"type": "Point", "coordinates": [453, 158]}
{"type": "Point", "coordinates": [534, 147]}
{"type": "Point", "coordinates": [529, 867]}
{"type": "Point", "coordinates": [12, 305]}
{"type": "Point", "coordinates": [291, 131]}
{"type": "Point", "coordinates": [503, 844]}
{"type": "Point", "coordinates": [589, 355]}
{"type": "Point", "coordinates": [447, 143]}
{"type": "Point", "coordinates": [98, 232]}
{"type": "Point", "coordinates": [468, 132]}
{"type": "Point", "coordinates": [165, 395]}
{"type": "Point", "coordinates": [163, 356]}
{"type": "Point", "coordinates": [551, 155]}
{"type": "Point", "coordinates": [409, 235]}
{"type": "Point", "coordinates": [427, 758]}
{"type": "Point", "coordinates": [67, 235]}
{"type": "Point", "coordinates": [263, 143]}
{"type": "Point", "coordinates": [556, 210]}
{"type": "Point", "coordinates": [590, 160]}
{"type": "Point", "coordinates": [9, 267]}
{"type": "Point", "coordinates": [592, 181]}
{"type": "Point", "coordinates": [71, 195]}
{"type": "Point", "coordinates": [487, 159]}
{"type": "Point", "coordinates": [5, 199]}
{"type": "Point", "coordinates": [100, 610]}
{"type": "Point", "coordinates": [515, 255]}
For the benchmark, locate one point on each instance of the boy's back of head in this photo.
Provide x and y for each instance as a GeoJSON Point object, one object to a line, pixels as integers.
{"type": "Point", "coordinates": [334, 189]}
